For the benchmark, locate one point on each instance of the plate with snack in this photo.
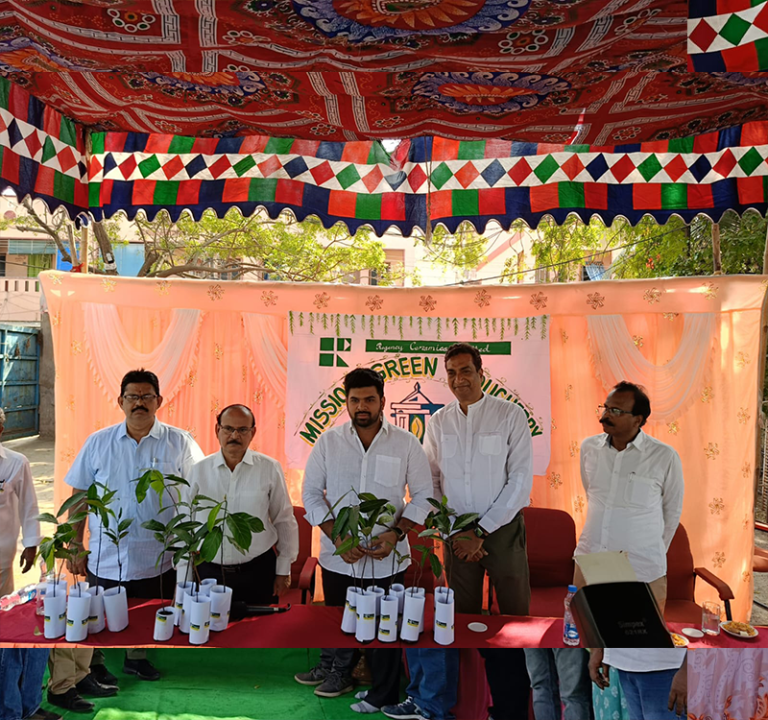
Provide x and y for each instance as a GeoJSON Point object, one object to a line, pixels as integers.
{"type": "Point", "coordinates": [679, 640]}
{"type": "Point", "coordinates": [739, 629]}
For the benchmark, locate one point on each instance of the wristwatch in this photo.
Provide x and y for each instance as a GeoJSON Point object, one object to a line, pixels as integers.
{"type": "Point", "coordinates": [400, 533]}
{"type": "Point", "coordinates": [481, 533]}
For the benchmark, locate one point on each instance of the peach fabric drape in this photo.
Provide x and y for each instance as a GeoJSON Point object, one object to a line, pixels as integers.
{"type": "Point", "coordinates": [728, 684]}
{"type": "Point", "coordinates": [241, 350]}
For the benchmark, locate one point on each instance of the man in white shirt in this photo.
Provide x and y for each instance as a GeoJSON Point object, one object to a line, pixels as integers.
{"type": "Point", "coordinates": [115, 457]}
{"type": "Point", "coordinates": [634, 486]}
{"type": "Point", "coordinates": [481, 455]}
{"type": "Point", "coordinates": [369, 455]}
{"type": "Point", "coordinates": [654, 680]}
{"type": "Point", "coordinates": [251, 483]}
{"type": "Point", "coordinates": [18, 512]}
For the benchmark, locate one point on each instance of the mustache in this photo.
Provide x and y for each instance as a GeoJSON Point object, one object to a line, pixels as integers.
{"type": "Point", "coordinates": [136, 409]}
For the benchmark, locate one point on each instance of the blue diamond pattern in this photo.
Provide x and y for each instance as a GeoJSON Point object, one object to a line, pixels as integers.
{"type": "Point", "coordinates": [700, 168]}
{"type": "Point", "coordinates": [14, 134]}
{"type": "Point", "coordinates": [109, 163]}
{"type": "Point", "coordinates": [597, 168]}
{"type": "Point", "coordinates": [195, 166]}
{"type": "Point", "coordinates": [396, 179]}
{"type": "Point", "coordinates": [295, 167]}
{"type": "Point", "coordinates": [493, 173]}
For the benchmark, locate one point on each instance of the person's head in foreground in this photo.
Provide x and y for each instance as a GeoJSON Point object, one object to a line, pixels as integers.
{"type": "Point", "coordinates": [365, 397]}
{"type": "Point", "coordinates": [140, 397]}
{"type": "Point", "coordinates": [464, 368]}
{"type": "Point", "coordinates": [626, 409]}
{"type": "Point", "coordinates": [235, 428]}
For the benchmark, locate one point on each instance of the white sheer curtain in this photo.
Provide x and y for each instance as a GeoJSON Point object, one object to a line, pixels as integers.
{"type": "Point", "coordinates": [673, 386]}
{"type": "Point", "coordinates": [269, 355]}
{"type": "Point", "coordinates": [112, 355]}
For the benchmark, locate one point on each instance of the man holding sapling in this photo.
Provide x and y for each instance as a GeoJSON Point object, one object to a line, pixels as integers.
{"type": "Point", "coordinates": [253, 483]}
{"type": "Point", "coordinates": [115, 457]}
{"type": "Point", "coordinates": [365, 455]}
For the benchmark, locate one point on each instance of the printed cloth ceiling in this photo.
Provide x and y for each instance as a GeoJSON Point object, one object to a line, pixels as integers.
{"type": "Point", "coordinates": [600, 72]}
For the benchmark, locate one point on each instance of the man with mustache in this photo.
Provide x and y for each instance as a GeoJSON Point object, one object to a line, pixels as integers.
{"type": "Point", "coordinates": [634, 487]}
{"type": "Point", "coordinates": [115, 457]}
{"type": "Point", "coordinates": [251, 483]}
{"type": "Point", "coordinates": [364, 455]}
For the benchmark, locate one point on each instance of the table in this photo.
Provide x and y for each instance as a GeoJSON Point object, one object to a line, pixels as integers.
{"type": "Point", "coordinates": [316, 626]}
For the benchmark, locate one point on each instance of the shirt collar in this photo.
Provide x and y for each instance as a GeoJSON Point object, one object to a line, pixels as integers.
{"type": "Point", "coordinates": [639, 442]}
{"type": "Point", "coordinates": [248, 458]}
{"type": "Point", "coordinates": [385, 425]}
{"type": "Point", "coordinates": [155, 432]}
{"type": "Point", "coordinates": [477, 405]}
{"type": "Point", "coordinates": [3, 453]}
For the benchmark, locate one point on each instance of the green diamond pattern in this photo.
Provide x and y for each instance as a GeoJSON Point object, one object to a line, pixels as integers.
{"type": "Point", "coordinates": [148, 166]}
{"type": "Point", "coordinates": [441, 175]}
{"type": "Point", "coordinates": [750, 161]}
{"type": "Point", "coordinates": [547, 168]}
{"type": "Point", "coordinates": [348, 176]}
{"type": "Point", "coordinates": [649, 167]}
{"type": "Point", "coordinates": [735, 29]}
{"type": "Point", "coordinates": [49, 150]}
{"type": "Point", "coordinates": [244, 165]}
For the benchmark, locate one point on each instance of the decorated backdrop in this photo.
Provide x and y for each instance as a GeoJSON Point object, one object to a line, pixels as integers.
{"type": "Point", "coordinates": [695, 343]}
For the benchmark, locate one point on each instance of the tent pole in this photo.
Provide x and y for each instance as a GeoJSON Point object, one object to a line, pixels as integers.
{"type": "Point", "coordinates": [84, 248]}
{"type": "Point", "coordinates": [716, 257]}
{"type": "Point", "coordinates": [765, 253]}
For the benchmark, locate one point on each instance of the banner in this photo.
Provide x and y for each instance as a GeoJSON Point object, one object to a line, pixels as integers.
{"type": "Point", "coordinates": [408, 353]}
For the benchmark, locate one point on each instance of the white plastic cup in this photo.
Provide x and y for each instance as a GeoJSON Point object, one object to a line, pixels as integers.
{"type": "Point", "coordinates": [55, 624]}
{"type": "Point", "coordinates": [96, 619]}
{"type": "Point", "coordinates": [349, 619]}
{"type": "Point", "coordinates": [221, 603]}
{"type": "Point", "coordinates": [379, 592]}
{"type": "Point", "coordinates": [388, 619]}
{"type": "Point", "coordinates": [178, 601]}
{"type": "Point", "coordinates": [163, 624]}
{"type": "Point", "coordinates": [200, 620]}
{"type": "Point", "coordinates": [186, 609]}
{"type": "Point", "coordinates": [420, 592]}
{"type": "Point", "coordinates": [444, 619]}
{"type": "Point", "coordinates": [398, 591]}
{"type": "Point", "coordinates": [365, 631]}
{"type": "Point", "coordinates": [79, 588]}
{"type": "Point", "coordinates": [78, 612]}
{"type": "Point", "coordinates": [116, 608]}
{"type": "Point", "coordinates": [206, 585]}
{"type": "Point", "coordinates": [413, 616]}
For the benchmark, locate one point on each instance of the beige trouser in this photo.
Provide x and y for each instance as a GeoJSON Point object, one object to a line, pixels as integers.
{"type": "Point", "coordinates": [658, 587]}
{"type": "Point", "coordinates": [6, 580]}
{"type": "Point", "coordinates": [67, 667]}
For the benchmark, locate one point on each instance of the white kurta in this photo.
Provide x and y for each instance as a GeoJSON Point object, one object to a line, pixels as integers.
{"type": "Point", "coordinates": [18, 506]}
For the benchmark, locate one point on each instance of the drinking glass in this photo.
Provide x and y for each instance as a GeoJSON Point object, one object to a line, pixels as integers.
{"type": "Point", "coordinates": [710, 618]}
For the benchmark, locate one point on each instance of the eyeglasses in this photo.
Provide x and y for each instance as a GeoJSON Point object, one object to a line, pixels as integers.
{"type": "Point", "coordinates": [227, 430]}
{"type": "Point", "coordinates": [616, 412]}
{"type": "Point", "coordinates": [144, 398]}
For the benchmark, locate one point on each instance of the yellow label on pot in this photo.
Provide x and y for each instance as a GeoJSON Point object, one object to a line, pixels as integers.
{"type": "Point", "coordinates": [383, 631]}
{"type": "Point", "coordinates": [413, 623]}
{"type": "Point", "coordinates": [161, 618]}
{"type": "Point", "coordinates": [384, 618]}
{"type": "Point", "coordinates": [215, 616]}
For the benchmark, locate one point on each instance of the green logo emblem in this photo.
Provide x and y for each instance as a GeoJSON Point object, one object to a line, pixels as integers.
{"type": "Point", "coordinates": [331, 349]}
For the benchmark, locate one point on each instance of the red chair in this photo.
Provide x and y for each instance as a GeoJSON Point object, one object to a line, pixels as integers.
{"type": "Point", "coordinates": [681, 582]}
{"type": "Point", "coordinates": [303, 569]}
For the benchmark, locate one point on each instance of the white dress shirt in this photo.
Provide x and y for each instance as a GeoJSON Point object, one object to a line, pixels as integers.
{"type": "Point", "coordinates": [635, 498]}
{"type": "Point", "coordinates": [339, 464]}
{"type": "Point", "coordinates": [18, 506]}
{"type": "Point", "coordinates": [113, 458]}
{"type": "Point", "coordinates": [644, 659]}
{"type": "Point", "coordinates": [482, 461]}
{"type": "Point", "coordinates": [257, 487]}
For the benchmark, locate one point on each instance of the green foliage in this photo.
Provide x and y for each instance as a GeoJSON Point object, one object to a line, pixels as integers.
{"type": "Point", "coordinates": [462, 250]}
{"type": "Point", "coordinates": [441, 524]}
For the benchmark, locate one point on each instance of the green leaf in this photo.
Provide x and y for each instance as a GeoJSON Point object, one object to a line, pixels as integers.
{"type": "Point", "coordinates": [47, 518]}
{"type": "Point", "coordinates": [240, 528]}
{"type": "Point", "coordinates": [430, 532]}
{"type": "Point", "coordinates": [142, 487]}
{"type": "Point", "coordinates": [178, 480]}
{"type": "Point", "coordinates": [341, 524]}
{"type": "Point", "coordinates": [256, 524]}
{"type": "Point", "coordinates": [464, 521]}
{"type": "Point", "coordinates": [347, 545]}
{"type": "Point", "coordinates": [154, 525]}
{"type": "Point", "coordinates": [437, 568]}
{"type": "Point", "coordinates": [124, 525]}
{"type": "Point", "coordinates": [78, 517]}
{"type": "Point", "coordinates": [72, 500]}
{"type": "Point", "coordinates": [435, 503]}
{"type": "Point", "coordinates": [211, 545]}
{"type": "Point", "coordinates": [213, 515]}
{"type": "Point", "coordinates": [372, 506]}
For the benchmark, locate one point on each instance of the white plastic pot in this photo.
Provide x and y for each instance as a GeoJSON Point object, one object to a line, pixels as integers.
{"type": "Point", "coordinates": [96, 619]}
{"type": "Point", "coordinates": [178, 602]}
{"type": "Point", "coordinates": [379, 592]}
{"type": "Point", "coordinates": [186, 610]}
{"type": "Point", "coordinates": [388, 619]}
{"type": "Point", "coordinates": [163, 624]}
{"type": "Point", "coordinates": [397, 590]}
{"type": "Point", "coordinates": [349, 619]}
{"type": "Point", "coordinates": [55, 606]}
{"type": "Point", "coordinates": [78, 612]}
{"type": "Point", "coordinates": [116, 608]}
{"type": "Point", "coordinates": [200, 620]}
{"type": "Point", "coordinates": [420, 592]}
{"type": "Point", "coordinates": [445, 608]}
{"type": "Point", "coordinates": [206, 585]}
{"type": "Point", "coordinates": [365, 631]}
{"type": "Point", "coordinates": [221, 602]}
{"type": "Point", "coordinates": [413, 616]}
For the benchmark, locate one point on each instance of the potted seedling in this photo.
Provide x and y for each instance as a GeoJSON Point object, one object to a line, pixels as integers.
{"type": "Point", "coordinates": [56, 550]}
{"type": "Point", "coordinates": [116, 598]}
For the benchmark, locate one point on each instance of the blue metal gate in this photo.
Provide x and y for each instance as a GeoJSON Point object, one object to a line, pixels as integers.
{"type": "Point", "coordinates": [20, 380]}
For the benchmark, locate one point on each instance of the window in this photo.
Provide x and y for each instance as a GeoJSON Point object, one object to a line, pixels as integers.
{"type": "Point", "coordinates": [37, 263]}
{"type": "Point", "coordinates": [592, 271]}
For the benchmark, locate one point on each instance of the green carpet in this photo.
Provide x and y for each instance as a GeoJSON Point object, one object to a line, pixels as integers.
{"type": "Point", "coordinates": [218, 683]}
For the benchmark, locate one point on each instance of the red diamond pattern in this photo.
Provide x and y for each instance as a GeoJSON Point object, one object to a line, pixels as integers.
{"type": "Point", "coordinates": [703, 35]}
{"type": "Point", "coordinates": [67, 159]}
{"type": "Point", "coordinates": [467, 175]}
{"type": "Point", "coordinates": [520, 171]}
{"type": "Point", "coordinates": [725, 164]}
{"type": "Point", "coordinates": [175, 166]}
{"type": "Point", "coordinates": [220, 167]}
{"type": "Point", "coordinates": [373, 178]}
{"type": "Point", "coordinates": [270, 165]}
{"type": "Point", "coordinates": [761, 20]}
{"type": "Point", "coordinates": [322, 173]}
{"type": "Point", "coordinates": [572, 167]}
{"type": "Point", "coordinates": [622, 168]}
{"type": "Point", "coordinates": [416, 178]}
{"type": "Point", "coordinates": [676, 168]}
{"type": "Point", "coordinates": [128, 166]}
{"type": "Point", "coordinates": [33, 143]}
{"type": "Point", "coordinates": [94, 168]}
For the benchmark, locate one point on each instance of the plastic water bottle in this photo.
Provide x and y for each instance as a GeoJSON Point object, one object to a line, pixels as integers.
{"type": "Point", "coordinates": [21, 596]}
{"type": "Point", "coordinates": [570, 632]}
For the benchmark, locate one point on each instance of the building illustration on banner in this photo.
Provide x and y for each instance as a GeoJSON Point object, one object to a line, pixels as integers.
{"type": "Point", "coordinates": [413, 412]}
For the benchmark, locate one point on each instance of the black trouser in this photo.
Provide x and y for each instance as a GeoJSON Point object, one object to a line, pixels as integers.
{"type": "Point", "coordinates": [253, 582]}
{"type": "Point", "coordinates": [147, 589]}
{"type": "Point", "coordinates": [509, 682]}
{"type": "Point", "coordinates": [385, 665]}
{"type": "Point", "coordinates": [343, 660]}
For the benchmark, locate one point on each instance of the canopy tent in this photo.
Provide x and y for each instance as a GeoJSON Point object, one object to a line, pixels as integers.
{"type": "Point", "coordinates": [694, 342]}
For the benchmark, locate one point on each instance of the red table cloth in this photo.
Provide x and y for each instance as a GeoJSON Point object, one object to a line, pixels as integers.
{"type": "Point", "coordinates": [316, 626]}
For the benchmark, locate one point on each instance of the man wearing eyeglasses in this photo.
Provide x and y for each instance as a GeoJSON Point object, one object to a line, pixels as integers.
{"type": "Point", "coordinates": [634, 486]}
{"type": "Point", "coordinates": [115, 457]}
{"type": "Point", "coordinates": [255, 484]}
